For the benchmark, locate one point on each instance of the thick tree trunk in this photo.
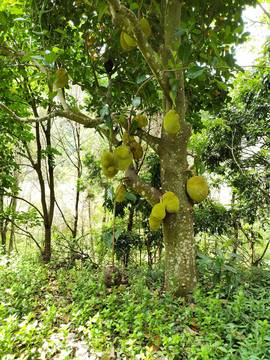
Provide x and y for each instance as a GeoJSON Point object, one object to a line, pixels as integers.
{"type": "Point", "coordinates": [180, 266]}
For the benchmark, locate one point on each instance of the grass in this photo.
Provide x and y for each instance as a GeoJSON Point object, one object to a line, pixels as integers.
{"type": "Point", "coordinates": [62, 314]}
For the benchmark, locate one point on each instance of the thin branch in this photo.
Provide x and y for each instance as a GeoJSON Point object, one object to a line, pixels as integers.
{"type": "Point", "coordinates": [256, 262]}
{"type": "Point", "coordinates": [63, 216]}
{"type": "Point", "coordinates": [78, 117]}
{"type": "Point", "coordinates": [263, 9]}
{"type": "Point", "coordinates": [28, 202]}
{"type": "Point", "coordinates": [27, 233]}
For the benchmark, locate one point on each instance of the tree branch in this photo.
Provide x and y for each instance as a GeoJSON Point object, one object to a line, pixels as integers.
{"type": "Point", "coordinates": [68, 114]}
{"type": "Point", "coordinates": [28, 202]}
{"type": "Point", "coordinates": [63, 216]}
{"type": "Point", "coordinates": [27, 233]}
{"type": "Point", "coordinates": [256, 262]}
{"type": "Point", "coordinates": [151, 140]}
{"type": "Point", "coordinates": [263, 9]}
{"type": "Point", "coordinates": [132, 180]}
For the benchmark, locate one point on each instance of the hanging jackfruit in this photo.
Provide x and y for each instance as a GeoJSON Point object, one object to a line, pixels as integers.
{"type": "Point", "coordinates": [141, 120]}
{"type": "Point", "coordinates": [123, 43]}
{"type": "Point", "coordinates": [171, 202]}
{"type": "Point", "coordinates": [171, 122]}
{"type": "Point", "coordinates": [127, 139]}
{"type": "Point", "coordinates": [197, 188]}
{"type": "Point", "coordinates": [109, 164]}
{"type": "Point", "coordinates": [130, 41]}
{"type": "Point", "coordinates": [120, 193]}
{"type": "Point", "coordinates": [145, 26]}
{"type": "Point", "coordinates": [61, 80]}
{"type": "Point", "coordinates": [123, 157]}
{"type": "Point", "coordinates": [110, 171]}
{"type": "Point", "coordinates": [107, 159]}
{"type": "Point", "coordinates": [136, 149]}
{"type": "Point", "coordinates": [154, 224]}
{"type": "Point", "coordinates": [158, 211]}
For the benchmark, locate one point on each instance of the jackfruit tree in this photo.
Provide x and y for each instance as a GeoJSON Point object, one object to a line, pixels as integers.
{"type": "Point", "coordinates": [181, 55]}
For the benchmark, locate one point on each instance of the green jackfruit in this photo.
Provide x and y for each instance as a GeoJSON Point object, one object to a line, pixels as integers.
{"type": "Point", "coordinates": [171, 122]}
{"type": "Point", "coordinates": [127, 139]}
{"type": "Point", "coordinates": [154, 224]}
{"type": "Point", "coordinates": [107, 158]}
{"type": "Point", "coordinates": [197, 188]}
{"type": "Point", "coordinates": [110, 171]}
{"type": "Point", "coordinates": [123, 42]}
{"type": "Point", "coordinates": [171, 202]}
{"type": "Point", "coordinates": [109, 164]}
{"type": "Point", "coordinates": [61, 80]}
{"type": "Point", "coordinates": [145, 26]}
{"type": "Point", "coordinates": [141, 120]}
{"type": "Point", "coordinates": [158, 211]}
{"type": "Point", "coordinates": [136, 150]}
{"type": "Point", "coordinates": [123, 157]}
{"type": "Point", "coordinates": [120, 193]}
{"type": "Point", "coordinates": [130, 41]}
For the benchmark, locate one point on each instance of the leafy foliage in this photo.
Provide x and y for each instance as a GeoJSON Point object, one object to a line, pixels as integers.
{"type": "Point", "coordinates": [134, 319]}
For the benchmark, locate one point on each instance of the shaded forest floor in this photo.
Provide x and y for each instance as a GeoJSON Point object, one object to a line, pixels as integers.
{"type": "Point", "coordinates": [50, 313]}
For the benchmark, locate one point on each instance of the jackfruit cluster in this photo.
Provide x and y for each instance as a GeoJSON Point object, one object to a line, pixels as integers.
{"type": "Point", "coordinates": [171, 122]}
{"type": "Point", "coordinates": [112, 162]}
{"type": "Point", "coordinates": [169, 204]}
{"type": "Point", "coordinates": [120, 193]}
{"type": "Point", "coordinates": [197, 188]}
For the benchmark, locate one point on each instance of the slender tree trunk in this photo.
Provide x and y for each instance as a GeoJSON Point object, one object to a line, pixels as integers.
{"type": "Point", "coordinates": [46, 254]}
{"type": "Point", "coordinates": [77, 139]}
{"type": "Point", "coordinates": [92, 246]}
{"type": "Point", "coordinates": [129, 229]}
{"type": "Point", "coordinates": [2, 225]}
{"type": "Point", "coordinates": [12, 227]}
{"type": "Point", "coordinates": [235, 227]}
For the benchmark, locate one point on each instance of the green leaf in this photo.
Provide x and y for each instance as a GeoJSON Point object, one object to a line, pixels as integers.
{"type": "Point", "coordinates": [185, 52]}
{"type": "Point", "coordinates": [195, 72]}
{"type": "Point", "coordinates": [130, 196]}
